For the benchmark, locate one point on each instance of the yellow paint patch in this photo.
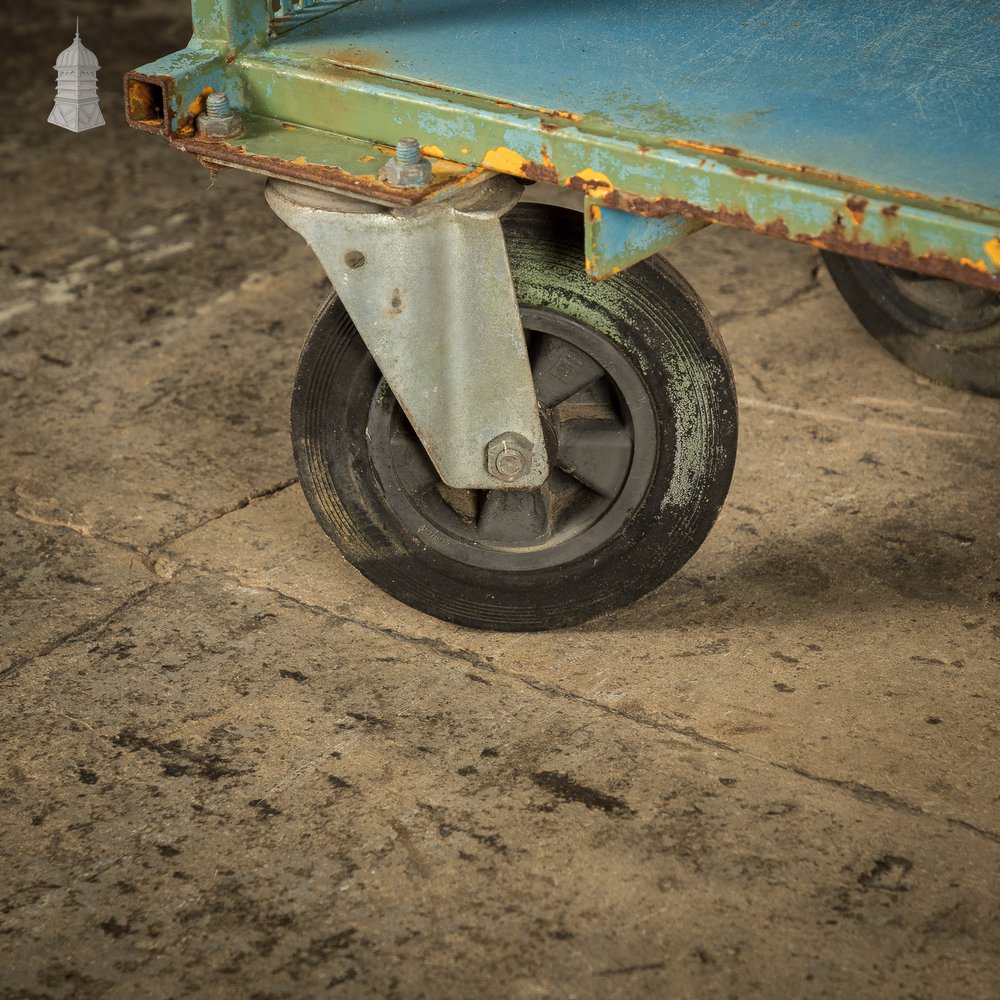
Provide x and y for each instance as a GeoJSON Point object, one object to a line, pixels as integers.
{"type": "Point", "coordinates": [992, 248]}
{"type": "Point", "coordinates": [505, 161]}
{"type": "Point", "coordinates": [595, 213]}
{"type": "Point", "coordinates": [197, 106]}
{"type": "Point", "coordinates": [598, 185]}
{"type": "Point", "coordinates": [299, 159]}
{"type": "Point", "coordinates": [979, 265]}
{"type": "Point", "coordinates": [447, 168]}
{"type": "Point", "coordinates": [366, 159]}
{"type": "Point", "coordinates": [291, 128]}
{"type": "Point", "coordinates": [465, 149]}
{"type": "Point", "coordinates": [434, 151]}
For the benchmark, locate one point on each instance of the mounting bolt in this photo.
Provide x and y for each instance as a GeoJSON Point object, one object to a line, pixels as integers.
{"type": "Point", "coordinates": [408, 168]}
{"type": "Point", "coordinates": [218, 120]}
{"type": "Point", "coordinates": [508, 457]}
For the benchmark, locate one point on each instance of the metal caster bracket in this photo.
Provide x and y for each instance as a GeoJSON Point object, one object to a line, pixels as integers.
{"type": "Point", "coordinates": [430, 291]}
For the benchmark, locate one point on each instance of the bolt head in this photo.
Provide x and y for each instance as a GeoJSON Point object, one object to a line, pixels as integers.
{"type": "Point", "coordinates": [508, 457]}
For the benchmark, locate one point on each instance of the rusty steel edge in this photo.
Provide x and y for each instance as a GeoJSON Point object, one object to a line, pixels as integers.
{"type": "Point", "coordinates": [800, 203]}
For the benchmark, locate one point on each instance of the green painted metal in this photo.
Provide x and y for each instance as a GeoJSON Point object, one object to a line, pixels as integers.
{"type": "Point", "coordinates": [230, 24]}
{"type": "Point", "coordinates": [275, 81]}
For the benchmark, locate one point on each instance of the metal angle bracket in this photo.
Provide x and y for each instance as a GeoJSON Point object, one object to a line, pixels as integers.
{"type": "Point", "coordinates": [430, 291]}
{"type": "Point", "coordinates": [615, 239]}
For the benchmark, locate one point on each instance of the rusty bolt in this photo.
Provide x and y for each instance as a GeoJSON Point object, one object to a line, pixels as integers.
{"type": "Point", "coordinates": [407, 168]}
{"type": "Point", "coordinates": [508, 457]}
{"type": "Point", "coordinates": [218, 120]}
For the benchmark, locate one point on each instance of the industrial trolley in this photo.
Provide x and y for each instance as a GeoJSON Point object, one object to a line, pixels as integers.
{"type": "Point", "coordinates": [518, 416]}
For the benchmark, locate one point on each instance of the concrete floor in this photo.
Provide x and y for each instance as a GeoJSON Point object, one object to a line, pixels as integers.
{"type": "Point", "coordinates": [230, 767]}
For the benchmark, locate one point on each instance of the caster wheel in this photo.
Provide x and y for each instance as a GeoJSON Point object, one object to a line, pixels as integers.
{"type": "Point", "coordinates": [944, 330]}
{"type": "Point", "coordinates": [639, 411]}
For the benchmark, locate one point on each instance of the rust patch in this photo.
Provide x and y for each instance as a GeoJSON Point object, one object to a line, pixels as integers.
{"type": "Point", "coordinates": [568, 115]}
{"type": "Point", "coordinates": [594, 183]}
{"type": "Point", "coordinates": [544, 172]}
{"type": "Point", "coordinates": [147, 102]}
{"type": "Point", "coordinates": [901, 255]}
{"type": "Point", "coordinates": [702, 147]}
{"type": "Point", "coordinates": [743, 172]}
{"type": "Point", "coordinates": [857, 206]}
{"type": "Point", "coordinates": [359, 58]}
{"type": "Point", "coordinates": [659, 208]}
{"type": "Point", "coordinates": [834, 238]}
{"type": "Point", "coordinates": [775, 168]}
{"type": "Point", "coordinates": [216, 155]}
{"type": "Point", "coordinates": [776, 227]}
{"type": "Point", "coordinates": [549, 127]}
{"type": "Point", "coordinates": [890, 211]}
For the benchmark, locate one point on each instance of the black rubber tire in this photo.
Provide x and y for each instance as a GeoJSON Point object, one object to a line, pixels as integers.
{"type": "Point", "coordinates": [659, 328]}
{"type": "Point", "coordinates": [945, 331]}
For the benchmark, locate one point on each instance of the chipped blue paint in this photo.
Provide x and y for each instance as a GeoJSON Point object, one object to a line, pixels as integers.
{"type": "Point", "coordinates": [615, 240]}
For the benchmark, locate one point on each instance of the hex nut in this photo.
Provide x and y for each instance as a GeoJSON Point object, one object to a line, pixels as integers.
{"type": "Point", "coordinates": [508, 457]}
{"type": "Point", "coordinates": [213, 126]}
{"type": "Point", "coordinates": [399, 174]}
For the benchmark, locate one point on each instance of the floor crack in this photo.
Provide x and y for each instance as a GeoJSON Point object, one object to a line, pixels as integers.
{"type": "Point", "coordinates": [683, 734]}
{"type": "Point", "coordinates": [790, 299]}
{"type": "Point", "coordinates": [222, 512]}
{"type": "Point", "coordinates": [94, 627]}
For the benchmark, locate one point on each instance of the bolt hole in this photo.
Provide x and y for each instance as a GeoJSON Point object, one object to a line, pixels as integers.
{"type": "Point", "coordinates": [354, 259]}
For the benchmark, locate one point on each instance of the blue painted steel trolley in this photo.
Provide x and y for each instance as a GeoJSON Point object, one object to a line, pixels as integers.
{"type": "Point", "coordinates": [517, 416]}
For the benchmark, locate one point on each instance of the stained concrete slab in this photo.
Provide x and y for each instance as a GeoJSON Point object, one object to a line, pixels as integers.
{"type": "Point", "coordinates": [843, 616]}
{"type": "Point", "coordinates": [127, 276]}
{"type": "Point", "coordinates": [54, 583]}
{"type": "Point", "coordinates": [231, 766]}
{"type": "Point", "coordinates": [241, 796]}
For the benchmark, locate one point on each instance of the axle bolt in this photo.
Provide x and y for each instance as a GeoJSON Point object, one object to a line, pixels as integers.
{"type": "Point", "coordinates": [408, 168]}
{"type": "Point", "coordinates": [508, 457]}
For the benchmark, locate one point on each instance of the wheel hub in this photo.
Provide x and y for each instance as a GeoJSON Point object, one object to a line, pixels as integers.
{"type": "Point", "coordinates": [600, 438]}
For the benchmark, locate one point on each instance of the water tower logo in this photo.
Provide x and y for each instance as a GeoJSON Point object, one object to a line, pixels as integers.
{"type": "Point", "coordinates": [76, 106]}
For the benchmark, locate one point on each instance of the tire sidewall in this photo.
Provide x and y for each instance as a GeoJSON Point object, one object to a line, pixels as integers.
{"type": "Point", "coordinates": [964, 360]}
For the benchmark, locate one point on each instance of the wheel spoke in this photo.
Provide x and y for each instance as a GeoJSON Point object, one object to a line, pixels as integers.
{"type": "Point", "coordinates": [465, 503]}
{"type": "Point", "coordinates": [415, 470]}
{"type": "Point", "coordinates": [560, 370]}
{"type": "Point", "coordinates": [510, 517]}
{"type": "Point", "coordinates": [598, 453]}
